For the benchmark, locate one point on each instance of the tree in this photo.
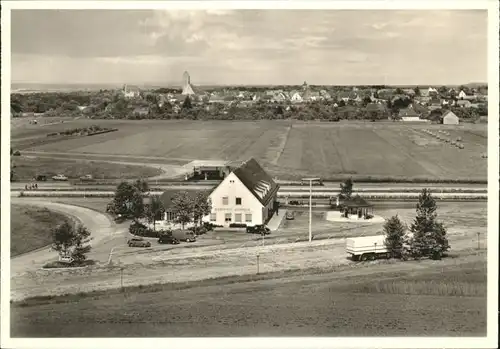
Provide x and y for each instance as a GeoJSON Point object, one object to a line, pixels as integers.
{"type": "Point", "coordinates": [182, 205]}
{"type": "Point", "coordinates": [201, 207]}
{"type": "Point", "coordinates": [154, 210]}
{"type": "Point", "coordinates": [346, 188]}
{"type": "Point", "coordinates": [399, 91]}
{"type": "Point", "coordinates": [71, 241]}
{"type": "Point", "coordinates": [142, 185]}
{"type": "Point", "coordinates": [395, 236]}
{"type": "Point", "coordinates": [187, 103]}
{"type": "Point", "coordinates": [429, 237]}
{"type": "Point", "coordinates": [128, 201]}
{"type": "Point", "coordinates": [417, 91]}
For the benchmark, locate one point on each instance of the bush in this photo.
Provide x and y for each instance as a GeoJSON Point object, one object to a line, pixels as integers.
{"type": "Point", "coordinates": [74, 264]}
{"type": "Point", "coordinates": [237, 225]}
{"type": "Point", "coordinates": [140, 229]}
{"type": "Point", "coordinates": [199, 230]}
{"type": "Point", "coordinates": [17, 153]}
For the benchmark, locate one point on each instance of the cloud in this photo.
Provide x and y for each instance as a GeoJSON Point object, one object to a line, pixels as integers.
{"type": "Point", "coordinates": [249, 46]}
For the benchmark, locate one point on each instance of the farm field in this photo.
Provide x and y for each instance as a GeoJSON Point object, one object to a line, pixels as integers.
{"type": "Point", "coordinates": [290, 150]}
{"type": "Point", "coordinates": [395, 300]}
{"type": "Point", "coordinates": [28, 166]}
{"type": "Point", "coordinates": [31, 228]}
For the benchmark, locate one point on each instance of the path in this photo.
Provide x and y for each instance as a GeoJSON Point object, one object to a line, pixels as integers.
{"type": "Point", "coordinates": [102, 227]}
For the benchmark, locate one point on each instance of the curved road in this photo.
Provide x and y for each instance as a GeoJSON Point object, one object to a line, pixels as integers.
{"type": "Point", "coordinates": [99, 224]}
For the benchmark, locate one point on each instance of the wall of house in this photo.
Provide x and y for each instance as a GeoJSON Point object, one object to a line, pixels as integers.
{"type": "Point", "coordinates": [232, 188]}
{"type": "Point", "coordinates": [450, 120]}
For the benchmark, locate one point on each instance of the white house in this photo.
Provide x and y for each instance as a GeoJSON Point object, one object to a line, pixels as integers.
{"type": "Point", "coordinates": [246, 196]}
{"type": "Point", "coordinates": [449, 118]}
{"type": "Point", "coordinates": [296, 97]}
{"type": "Point", "coordinates": [462, 94]}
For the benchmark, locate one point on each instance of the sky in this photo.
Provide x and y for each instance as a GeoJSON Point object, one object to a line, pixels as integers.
{"type": "Point", "coordinates": [249, 47]}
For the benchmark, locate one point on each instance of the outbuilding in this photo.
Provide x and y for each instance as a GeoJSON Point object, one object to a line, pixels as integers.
{"type": "Point", "coordinates": [449, 118]}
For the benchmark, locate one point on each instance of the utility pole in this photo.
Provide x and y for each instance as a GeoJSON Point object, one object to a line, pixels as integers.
{"type": "Point", "coordinates": [258, 264]}
{"type": "Point", "coordinates": [310, 204]}
{"type": "Point", "coordinates": [478, 241]}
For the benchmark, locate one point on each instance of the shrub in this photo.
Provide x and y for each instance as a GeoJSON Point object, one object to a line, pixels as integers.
{"type": "Point", "coordinates": [237, 225]}
{"type": "Point", "coordinates": [198, 230]}
{"type": "Point", "coordinates": [17, 153]}
{"type": "Point", "coordinates": [137, 228]}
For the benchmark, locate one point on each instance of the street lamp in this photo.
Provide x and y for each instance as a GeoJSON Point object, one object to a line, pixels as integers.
{"type": "Point", "coordinates": [310, 203]}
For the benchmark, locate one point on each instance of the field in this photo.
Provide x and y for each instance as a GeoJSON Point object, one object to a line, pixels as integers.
{"type": "Point", "coordinates": [31, 228]}
{"type": "Point", "coordinates": [27, 167]}
{"type": "Point", "coordinates": [376, 300]}
{"type": "Point", "coordinates": [288, 150]}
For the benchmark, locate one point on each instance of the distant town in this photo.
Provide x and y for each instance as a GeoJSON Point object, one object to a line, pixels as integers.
{"type": "Point", "coordinates": [466, 103]}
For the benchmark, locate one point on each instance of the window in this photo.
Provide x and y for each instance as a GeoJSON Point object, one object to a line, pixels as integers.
{"type": "Point", "coordinates": [237, 217]}
{"type": "Point", "coordinates": [248, 218]}
{"type": "Point", "coordinates": [238, 201]}
{"type": "Point", "coordinates": [225, 200]}
{"type": "Point", "coordinates": [227, 217]}
{"type": "Point", "coordinates": [213, 217]}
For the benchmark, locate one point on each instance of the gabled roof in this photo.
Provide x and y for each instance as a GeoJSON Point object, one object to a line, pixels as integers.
{"type": "Point", "coordinates": [258, 181]}
{"type": "Point", "coordinates": [375, 107]}
{"type": "Point", "coordinates": [167, 196]}
{"type": "Point", "coordinates": [449, 113]}
{"type": "Point", "coordinates": [407, 112]}
{"type": "Point", "coordinates": [356, 201]}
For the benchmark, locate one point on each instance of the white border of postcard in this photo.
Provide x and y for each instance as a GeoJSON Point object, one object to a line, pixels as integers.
{"type": "Point", "coordinates": [491, 341]}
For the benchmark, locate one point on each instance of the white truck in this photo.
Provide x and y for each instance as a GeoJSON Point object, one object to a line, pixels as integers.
{"type": "Point", "coordinates": [367, 248]}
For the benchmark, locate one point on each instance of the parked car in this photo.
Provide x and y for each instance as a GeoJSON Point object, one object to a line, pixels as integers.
{"type": "Point", "coordinates": [259, 229]}
{"type": "Point", "coordinates": [138, 242]}
{"type": "Point", "coordinates": [86, 178]}
{"type": "Point", "coordinates": [60, 177]}
{"type": "Point", "coordinates": [290, 216]}
{"type": "Point", "coordinates": [184, 235]}
{"type": "Point", "coordinates": [168, 239]}
{"type": "Point", "coordinates": [40, 178]}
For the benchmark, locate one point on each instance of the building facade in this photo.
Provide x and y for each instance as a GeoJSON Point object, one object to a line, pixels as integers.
{"type": "Point", "coordinates": [450, 118]}
{"type": "Point", "coordinates": [246, 196]}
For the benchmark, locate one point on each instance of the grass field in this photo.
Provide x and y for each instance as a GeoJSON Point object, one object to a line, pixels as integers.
{"type": "Point", "coordinates": [290, 150]}
{"type": "Point", "coordinates": [347, 302]}
{"type": "Point", "coordinates": [31, 228]}
{"type": "Point", "coordinates": [27, 167]}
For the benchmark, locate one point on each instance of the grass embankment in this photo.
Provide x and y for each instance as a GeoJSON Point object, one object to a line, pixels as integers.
{"type": "Point", "coordinates": [31, 228]}
{"type": "Point", "coordinates": [27, 167]}
{"type": "Point", "coordinates": [293, 303]}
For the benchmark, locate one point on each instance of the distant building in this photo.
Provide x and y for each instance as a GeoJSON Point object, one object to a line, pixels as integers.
{"type": "Point", "coordinates": [463, 103]}
{"type": "Point", "coordinates": [131, 91]}
{"type": "Point", "coordinates": [449, 118]}
{"type": "Point", "coordinates": [141, 111]}
{"type": "Point", "coordinates": [186, 84]}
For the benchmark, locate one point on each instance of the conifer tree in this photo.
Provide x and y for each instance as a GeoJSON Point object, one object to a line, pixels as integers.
{"type": "Point", "coordinates": [429, 236]}
{"type": "Point", "coordinates": [395, 236]}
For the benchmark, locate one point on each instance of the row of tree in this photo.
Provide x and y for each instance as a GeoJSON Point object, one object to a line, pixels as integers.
{"type": "Point", "coordinates": [129, 202]}
{"type": "Point", "coordinates": [426, 236]}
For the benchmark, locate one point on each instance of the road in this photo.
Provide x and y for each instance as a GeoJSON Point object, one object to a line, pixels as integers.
{"type": "Point", "coordinates": [281, 194]}
{"type": "Point", "coordinates": [201, 263]}
{"type": "Point", "coordinates": [102, 227]}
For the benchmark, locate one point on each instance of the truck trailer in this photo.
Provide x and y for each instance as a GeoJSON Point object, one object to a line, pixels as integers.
{"type": "Point", "coordinates": [367, 248]}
